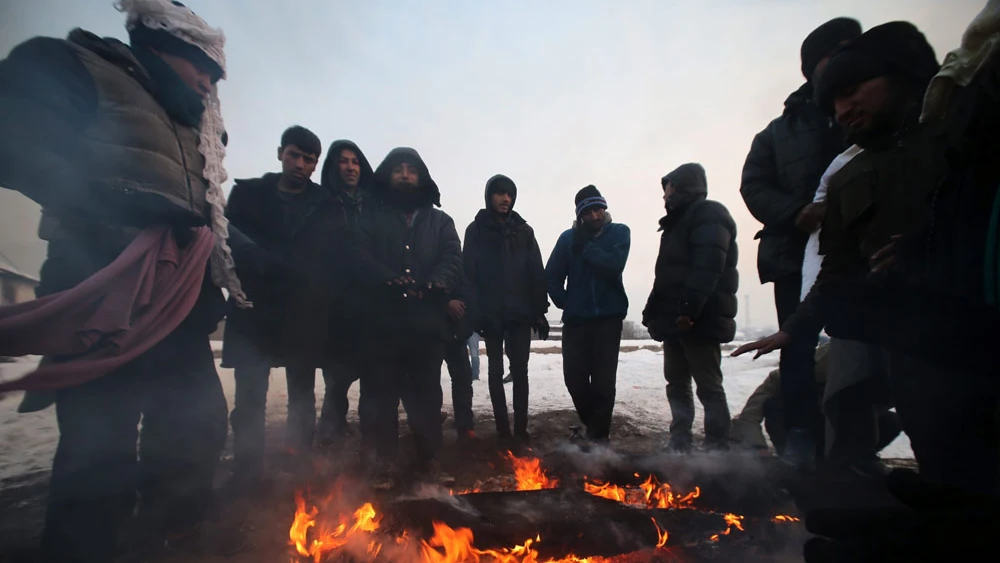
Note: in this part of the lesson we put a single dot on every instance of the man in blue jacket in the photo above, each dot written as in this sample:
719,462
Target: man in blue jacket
585,280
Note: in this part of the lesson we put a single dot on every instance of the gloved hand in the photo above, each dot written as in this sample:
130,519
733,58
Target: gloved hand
936,523
581,236
654,329
541,327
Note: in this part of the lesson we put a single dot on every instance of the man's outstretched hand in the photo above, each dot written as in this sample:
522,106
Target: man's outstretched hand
765,345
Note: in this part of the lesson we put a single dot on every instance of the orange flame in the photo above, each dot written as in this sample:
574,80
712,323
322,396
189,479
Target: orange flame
660,534
781,518
325,541
529,474
732,521
650,494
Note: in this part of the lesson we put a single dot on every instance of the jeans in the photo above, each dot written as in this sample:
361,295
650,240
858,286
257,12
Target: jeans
590,370
516,342
460,370
473,344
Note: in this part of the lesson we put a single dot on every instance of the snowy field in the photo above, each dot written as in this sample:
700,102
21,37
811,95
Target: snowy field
28,441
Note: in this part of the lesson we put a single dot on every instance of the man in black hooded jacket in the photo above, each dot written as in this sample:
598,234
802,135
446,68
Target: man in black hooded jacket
347,175
692,308
780,178
408,259
504,263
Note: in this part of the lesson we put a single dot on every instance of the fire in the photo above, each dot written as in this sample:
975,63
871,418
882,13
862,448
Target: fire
447,545
529,474
732,521
325,540
660,534
650,494
781,518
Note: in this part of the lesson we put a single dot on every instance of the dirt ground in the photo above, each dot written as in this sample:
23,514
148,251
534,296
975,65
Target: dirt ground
265,518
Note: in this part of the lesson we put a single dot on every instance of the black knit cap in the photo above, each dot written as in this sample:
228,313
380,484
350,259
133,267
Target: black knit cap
163,41
824,40
892,49
589,197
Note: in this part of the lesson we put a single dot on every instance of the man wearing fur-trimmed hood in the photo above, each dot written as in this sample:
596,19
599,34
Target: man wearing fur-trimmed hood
122,145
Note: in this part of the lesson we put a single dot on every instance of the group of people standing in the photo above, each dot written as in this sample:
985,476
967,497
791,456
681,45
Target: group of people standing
364,277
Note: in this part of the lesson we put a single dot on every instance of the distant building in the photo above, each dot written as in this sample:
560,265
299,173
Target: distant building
15,286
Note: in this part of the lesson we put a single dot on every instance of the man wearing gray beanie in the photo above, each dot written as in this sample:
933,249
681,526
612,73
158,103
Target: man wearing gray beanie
780,178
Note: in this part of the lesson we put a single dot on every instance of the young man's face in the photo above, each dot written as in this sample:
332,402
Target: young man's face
501,202
297,165
349,166
195,78
865,108
593,217
405,175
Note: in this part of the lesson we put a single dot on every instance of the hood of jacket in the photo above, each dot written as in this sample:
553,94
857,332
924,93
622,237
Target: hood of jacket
690,185
330,175
429,192
501,183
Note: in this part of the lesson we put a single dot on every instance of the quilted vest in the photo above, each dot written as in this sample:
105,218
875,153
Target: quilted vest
133,145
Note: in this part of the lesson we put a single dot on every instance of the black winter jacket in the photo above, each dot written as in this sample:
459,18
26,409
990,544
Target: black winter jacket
388,244
696,273
504,263
780,177
288,274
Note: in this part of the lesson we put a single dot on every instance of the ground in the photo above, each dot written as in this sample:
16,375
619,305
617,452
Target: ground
27,441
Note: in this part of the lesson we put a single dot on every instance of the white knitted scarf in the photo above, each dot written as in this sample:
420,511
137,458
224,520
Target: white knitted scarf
187,26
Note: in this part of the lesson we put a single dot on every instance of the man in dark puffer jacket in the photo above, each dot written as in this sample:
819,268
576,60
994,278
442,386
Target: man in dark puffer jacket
503,261
692,307
780,178
408,260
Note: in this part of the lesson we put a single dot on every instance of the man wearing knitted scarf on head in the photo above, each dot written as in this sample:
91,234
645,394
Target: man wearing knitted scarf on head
122,145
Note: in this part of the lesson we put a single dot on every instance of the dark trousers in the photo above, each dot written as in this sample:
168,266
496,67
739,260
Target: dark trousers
456,356
686,359
175,390
950,415
798,361
407,368
301,407
590,369
249,416
338,379
853,413
516,342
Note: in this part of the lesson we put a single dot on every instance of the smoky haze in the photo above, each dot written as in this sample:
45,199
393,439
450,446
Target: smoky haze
556,95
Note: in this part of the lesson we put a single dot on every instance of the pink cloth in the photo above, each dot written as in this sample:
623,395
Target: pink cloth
110,318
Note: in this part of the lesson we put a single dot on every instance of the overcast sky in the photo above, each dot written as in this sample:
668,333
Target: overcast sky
555,94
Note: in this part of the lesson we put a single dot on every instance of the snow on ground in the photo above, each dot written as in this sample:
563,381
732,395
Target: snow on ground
27,441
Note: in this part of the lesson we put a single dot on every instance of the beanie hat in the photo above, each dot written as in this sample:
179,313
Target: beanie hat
688,179
892,49
174,28
589,197
501,184
824,40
